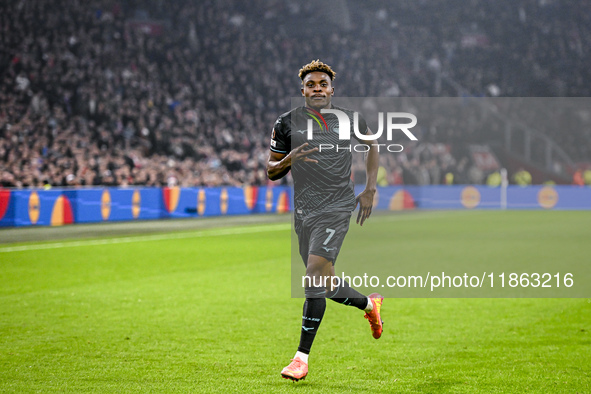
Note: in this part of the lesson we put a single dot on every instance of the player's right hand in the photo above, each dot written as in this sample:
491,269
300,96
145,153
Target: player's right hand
299,154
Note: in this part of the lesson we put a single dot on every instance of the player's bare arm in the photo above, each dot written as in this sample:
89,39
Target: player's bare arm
365,198
279,164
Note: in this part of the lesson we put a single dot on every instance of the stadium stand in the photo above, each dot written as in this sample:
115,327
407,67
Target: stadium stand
185,93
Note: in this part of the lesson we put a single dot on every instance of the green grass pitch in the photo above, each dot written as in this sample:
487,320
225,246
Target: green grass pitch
210,311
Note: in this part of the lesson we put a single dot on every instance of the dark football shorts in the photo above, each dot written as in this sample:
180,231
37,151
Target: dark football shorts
322,235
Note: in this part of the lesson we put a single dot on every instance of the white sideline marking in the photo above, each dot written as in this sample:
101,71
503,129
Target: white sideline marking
156,237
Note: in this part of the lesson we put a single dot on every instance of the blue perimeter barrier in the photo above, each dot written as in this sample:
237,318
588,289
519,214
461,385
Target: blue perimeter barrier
482,197
58,207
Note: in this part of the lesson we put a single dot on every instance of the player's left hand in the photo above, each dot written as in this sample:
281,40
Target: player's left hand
365,202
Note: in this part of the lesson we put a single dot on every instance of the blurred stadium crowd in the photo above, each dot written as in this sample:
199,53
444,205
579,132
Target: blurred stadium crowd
185,93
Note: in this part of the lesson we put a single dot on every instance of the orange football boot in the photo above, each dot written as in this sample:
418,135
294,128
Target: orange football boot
375,320
296,370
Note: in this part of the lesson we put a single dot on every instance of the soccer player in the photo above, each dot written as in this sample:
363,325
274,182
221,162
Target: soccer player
324,200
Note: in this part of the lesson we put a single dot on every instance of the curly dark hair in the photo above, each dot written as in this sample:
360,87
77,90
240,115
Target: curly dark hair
316,65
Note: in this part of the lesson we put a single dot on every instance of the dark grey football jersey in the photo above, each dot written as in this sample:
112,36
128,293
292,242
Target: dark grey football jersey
325,186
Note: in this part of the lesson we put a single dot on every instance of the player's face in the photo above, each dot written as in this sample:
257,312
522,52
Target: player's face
317,89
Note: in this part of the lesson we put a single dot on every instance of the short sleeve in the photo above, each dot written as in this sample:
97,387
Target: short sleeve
279,141
361,126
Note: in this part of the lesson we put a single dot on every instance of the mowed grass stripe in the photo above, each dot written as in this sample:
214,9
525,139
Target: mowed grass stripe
214,314
139,317
144,238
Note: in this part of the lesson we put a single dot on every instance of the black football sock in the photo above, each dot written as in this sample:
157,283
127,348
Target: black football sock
346,295
314,307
